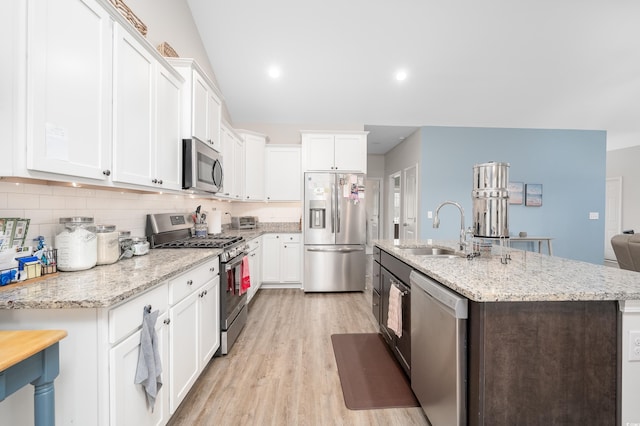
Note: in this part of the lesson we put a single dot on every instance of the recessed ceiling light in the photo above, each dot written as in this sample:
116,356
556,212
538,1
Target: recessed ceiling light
273,71
401,75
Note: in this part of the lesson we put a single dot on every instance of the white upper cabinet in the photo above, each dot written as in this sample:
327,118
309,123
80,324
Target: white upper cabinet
232,164
254,150
345,151
283,173
201,104
146,143
168,153
69,62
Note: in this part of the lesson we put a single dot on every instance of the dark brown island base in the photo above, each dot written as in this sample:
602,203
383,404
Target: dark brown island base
542,344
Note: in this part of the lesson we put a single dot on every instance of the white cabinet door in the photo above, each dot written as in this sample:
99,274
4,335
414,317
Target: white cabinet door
69,88
232,164
281,258
255,265
128,403
291,260
199,108
214,113
206,112
183,344
134,99
318,152
168,147
283,178
228,183
208,320
238,168
335,152
350,153
271,258
254,147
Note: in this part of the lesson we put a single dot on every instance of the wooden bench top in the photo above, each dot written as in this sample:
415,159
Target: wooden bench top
18,345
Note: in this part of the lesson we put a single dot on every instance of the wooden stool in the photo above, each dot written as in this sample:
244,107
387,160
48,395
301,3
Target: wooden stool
31,356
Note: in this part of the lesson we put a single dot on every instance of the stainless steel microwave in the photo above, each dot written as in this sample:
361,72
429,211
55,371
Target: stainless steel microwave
201,166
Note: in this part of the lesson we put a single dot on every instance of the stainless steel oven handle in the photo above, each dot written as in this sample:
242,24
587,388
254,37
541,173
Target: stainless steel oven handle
403,292
231,265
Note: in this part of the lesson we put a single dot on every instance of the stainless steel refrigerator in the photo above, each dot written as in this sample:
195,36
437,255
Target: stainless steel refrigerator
334,232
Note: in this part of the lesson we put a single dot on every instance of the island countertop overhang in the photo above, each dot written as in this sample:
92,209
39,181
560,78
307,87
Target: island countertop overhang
528,276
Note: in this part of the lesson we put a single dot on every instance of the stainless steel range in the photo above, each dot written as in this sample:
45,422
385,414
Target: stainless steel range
174,230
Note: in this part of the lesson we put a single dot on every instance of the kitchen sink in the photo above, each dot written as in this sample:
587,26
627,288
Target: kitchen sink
429,251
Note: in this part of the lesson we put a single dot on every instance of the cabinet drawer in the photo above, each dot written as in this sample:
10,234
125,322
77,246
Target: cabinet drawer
183,285
128,317
254,244
290,238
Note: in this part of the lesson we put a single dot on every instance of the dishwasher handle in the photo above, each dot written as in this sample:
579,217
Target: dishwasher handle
447,298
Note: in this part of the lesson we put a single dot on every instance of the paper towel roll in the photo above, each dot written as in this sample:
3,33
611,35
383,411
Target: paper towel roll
214,222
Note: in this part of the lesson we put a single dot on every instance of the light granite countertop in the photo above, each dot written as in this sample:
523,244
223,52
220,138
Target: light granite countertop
106,285
528,276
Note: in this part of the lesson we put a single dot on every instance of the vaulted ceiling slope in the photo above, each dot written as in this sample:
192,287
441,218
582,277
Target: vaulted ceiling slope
561,64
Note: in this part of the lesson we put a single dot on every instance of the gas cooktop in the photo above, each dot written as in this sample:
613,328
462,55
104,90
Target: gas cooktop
173,230
198,242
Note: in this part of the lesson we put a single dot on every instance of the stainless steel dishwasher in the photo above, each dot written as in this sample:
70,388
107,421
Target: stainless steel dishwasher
439,351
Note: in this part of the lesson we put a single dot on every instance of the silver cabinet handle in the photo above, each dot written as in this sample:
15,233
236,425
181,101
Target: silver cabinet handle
106,172
167,321
190,282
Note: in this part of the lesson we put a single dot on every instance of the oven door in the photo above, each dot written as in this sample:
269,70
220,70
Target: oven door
201,166
234,300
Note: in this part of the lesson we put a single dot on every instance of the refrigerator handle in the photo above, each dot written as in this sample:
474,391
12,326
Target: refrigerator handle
333,196
338,210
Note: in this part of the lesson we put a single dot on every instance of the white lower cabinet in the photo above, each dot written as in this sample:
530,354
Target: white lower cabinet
208,321
194,327
282,259
255,267
188,329
128,400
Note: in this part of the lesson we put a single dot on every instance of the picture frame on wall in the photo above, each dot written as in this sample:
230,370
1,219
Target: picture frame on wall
533,195
516,192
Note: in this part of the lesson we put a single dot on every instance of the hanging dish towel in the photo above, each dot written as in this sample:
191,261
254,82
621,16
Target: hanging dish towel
394,318
149,370
245,280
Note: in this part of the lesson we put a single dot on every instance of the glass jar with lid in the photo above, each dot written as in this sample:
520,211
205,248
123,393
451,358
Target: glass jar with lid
125,244
140,246
76,243
108,244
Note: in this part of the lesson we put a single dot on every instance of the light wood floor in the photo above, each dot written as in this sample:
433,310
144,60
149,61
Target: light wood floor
282,369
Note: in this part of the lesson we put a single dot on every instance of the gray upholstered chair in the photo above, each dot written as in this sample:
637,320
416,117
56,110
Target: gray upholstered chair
627,250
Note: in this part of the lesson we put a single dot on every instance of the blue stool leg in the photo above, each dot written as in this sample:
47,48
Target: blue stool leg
44,405
44,395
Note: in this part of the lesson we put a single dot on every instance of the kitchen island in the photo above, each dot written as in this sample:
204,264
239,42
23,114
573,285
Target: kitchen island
543,340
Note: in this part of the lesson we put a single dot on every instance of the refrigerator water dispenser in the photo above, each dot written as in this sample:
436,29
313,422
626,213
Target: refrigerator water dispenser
317,215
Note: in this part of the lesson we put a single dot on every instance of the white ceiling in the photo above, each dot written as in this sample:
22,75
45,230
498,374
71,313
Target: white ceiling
559,64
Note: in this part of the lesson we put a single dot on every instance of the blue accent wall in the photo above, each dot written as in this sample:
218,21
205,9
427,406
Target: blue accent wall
570,165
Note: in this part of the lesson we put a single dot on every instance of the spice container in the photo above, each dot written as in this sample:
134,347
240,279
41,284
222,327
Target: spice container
140,246
76,243
108,244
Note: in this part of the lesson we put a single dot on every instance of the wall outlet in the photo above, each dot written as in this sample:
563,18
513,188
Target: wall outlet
634,346
594,215
429,215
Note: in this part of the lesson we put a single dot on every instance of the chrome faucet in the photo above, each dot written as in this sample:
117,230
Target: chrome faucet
436,221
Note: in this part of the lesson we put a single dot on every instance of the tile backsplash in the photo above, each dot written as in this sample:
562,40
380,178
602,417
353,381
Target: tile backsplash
45,204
